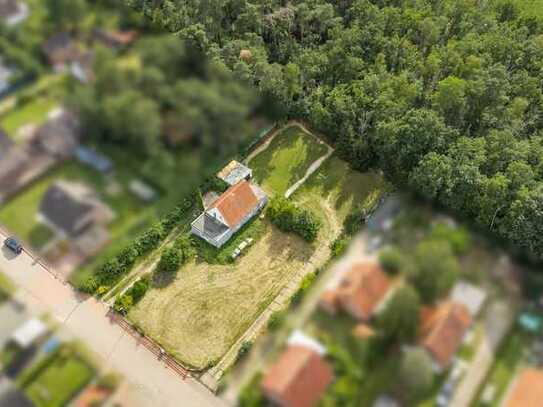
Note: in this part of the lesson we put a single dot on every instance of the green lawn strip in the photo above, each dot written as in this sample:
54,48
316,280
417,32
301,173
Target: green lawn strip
253,229
34,112
508,359
7,286
341,186
286,159
56,379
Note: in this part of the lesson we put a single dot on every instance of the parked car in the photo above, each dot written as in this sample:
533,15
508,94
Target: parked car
14,245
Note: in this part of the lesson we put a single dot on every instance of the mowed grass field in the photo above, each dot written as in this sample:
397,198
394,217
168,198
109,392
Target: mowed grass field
200,315
203,312
286,159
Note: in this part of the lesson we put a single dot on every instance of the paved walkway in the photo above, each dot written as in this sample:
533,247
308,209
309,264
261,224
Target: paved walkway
86,318
498,320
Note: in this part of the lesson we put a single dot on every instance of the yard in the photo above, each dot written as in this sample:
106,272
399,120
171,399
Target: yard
210,304
55,380
199,315
286,159
19,214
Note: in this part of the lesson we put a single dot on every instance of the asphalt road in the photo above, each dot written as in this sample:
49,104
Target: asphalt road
86,318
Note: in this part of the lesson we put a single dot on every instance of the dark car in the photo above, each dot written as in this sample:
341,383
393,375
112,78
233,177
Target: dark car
13,245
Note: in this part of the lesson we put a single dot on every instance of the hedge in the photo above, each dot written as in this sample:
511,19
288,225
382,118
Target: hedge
111,271
290,218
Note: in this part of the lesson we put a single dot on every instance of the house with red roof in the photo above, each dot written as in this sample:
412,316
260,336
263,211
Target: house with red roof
526,389
362,292
233,209
298,378
442,331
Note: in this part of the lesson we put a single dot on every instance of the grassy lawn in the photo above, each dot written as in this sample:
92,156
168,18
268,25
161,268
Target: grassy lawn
510,356
335,189
34,112
286,160
19,214
201,313
55,384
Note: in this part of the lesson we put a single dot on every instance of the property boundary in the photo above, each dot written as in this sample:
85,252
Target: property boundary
169,361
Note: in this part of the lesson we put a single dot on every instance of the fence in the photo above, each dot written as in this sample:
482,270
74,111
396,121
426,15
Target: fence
151,345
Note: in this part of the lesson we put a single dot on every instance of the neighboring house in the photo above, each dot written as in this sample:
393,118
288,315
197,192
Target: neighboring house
235,172
60,50
442,331
60,135
362,292
75,213
5,143
235,207
115,39
470,295
13,12
526,390
300,376
81,66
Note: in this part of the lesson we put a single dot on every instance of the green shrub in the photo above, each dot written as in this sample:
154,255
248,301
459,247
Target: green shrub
244,349
276,320
290,218
109,381
251,395
170,261
339,246
306,283
391,260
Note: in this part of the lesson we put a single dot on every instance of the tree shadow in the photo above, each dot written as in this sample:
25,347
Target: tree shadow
163,279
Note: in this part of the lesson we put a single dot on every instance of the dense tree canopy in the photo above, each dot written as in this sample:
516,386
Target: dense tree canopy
445,96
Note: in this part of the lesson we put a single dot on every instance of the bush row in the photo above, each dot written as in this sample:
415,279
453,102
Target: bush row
290,218
133,295
111,271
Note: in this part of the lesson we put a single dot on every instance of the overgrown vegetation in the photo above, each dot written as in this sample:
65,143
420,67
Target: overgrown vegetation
290,218
443,96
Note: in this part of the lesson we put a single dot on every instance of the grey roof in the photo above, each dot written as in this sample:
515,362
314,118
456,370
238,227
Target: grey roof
60,134
62,40
209,226
8,8
66,211
5,143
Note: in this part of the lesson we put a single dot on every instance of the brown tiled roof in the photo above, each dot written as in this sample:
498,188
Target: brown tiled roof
363,289
236,203
442,330
298,379
527,390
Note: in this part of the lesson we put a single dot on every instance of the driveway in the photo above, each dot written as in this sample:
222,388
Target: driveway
151,383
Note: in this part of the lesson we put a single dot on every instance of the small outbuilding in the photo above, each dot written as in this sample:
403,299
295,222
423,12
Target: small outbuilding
235,172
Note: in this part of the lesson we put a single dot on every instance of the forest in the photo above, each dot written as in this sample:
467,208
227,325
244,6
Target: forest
445,96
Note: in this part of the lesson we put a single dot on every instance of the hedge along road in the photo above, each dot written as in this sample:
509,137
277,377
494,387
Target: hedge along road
86,319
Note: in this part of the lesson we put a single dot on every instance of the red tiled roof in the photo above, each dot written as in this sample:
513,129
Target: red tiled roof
363,289
442,330
298,379
236,203
527,390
